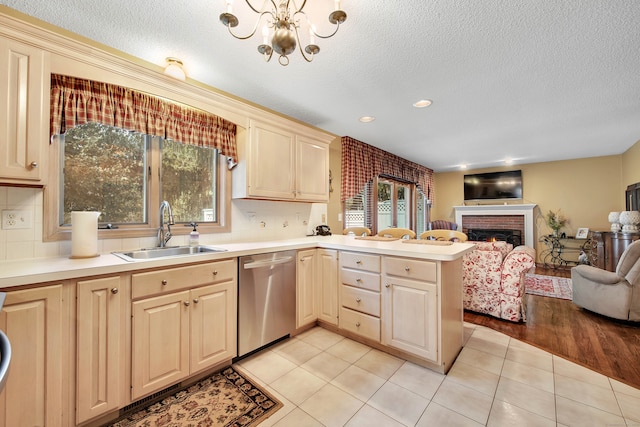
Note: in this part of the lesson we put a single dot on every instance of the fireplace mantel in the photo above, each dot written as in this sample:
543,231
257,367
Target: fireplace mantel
497,210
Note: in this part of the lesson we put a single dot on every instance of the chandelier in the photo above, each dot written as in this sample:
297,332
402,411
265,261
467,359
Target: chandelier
281,32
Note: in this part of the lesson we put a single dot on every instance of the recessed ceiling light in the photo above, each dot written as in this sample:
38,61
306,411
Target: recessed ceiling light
463,166
367,119
508,161
423,103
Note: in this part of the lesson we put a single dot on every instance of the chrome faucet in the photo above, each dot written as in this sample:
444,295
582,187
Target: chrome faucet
163,237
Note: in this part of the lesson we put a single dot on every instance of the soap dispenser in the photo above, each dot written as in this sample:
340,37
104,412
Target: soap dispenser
194,236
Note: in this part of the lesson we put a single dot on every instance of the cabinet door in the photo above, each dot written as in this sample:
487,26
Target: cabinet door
312,176
271,165
305,288
98,347
24,116
33,394
213,325
327,285
160,342
411,317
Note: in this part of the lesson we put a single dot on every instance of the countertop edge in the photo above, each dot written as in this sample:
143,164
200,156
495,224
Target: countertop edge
43,270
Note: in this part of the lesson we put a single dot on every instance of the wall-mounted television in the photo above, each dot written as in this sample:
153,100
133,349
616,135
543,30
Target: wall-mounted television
493,186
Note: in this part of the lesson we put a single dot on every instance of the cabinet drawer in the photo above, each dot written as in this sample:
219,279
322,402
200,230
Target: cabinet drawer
360,323
360,279
411,268
360,300
172,279
360,261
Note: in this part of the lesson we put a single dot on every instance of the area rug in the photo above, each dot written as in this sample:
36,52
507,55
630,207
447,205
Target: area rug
548,286
226,398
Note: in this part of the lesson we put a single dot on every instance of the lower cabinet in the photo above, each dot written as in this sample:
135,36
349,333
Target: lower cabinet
100,349
327,285
306,307
411,306
177,334
37,322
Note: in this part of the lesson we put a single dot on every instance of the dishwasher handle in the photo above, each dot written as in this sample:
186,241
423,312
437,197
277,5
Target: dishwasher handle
267,263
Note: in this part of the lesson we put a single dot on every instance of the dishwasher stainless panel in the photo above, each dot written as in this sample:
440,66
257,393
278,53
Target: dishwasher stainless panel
266,299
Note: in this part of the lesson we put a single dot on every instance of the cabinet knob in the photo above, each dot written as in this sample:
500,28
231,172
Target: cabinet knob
357,324
359,280
358,300
33,165
407,269
387,285
114,291
358,262
195,300
215,272
186,303
164,282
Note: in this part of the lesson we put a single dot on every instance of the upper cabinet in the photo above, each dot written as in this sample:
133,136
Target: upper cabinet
278,163
24,112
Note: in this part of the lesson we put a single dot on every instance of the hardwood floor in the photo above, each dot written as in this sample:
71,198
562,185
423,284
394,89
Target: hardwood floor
605,345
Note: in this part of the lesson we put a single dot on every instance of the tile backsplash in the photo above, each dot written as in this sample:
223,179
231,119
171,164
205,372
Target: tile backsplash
251,220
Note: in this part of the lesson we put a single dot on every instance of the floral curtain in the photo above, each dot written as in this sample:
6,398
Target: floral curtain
77,101
362,162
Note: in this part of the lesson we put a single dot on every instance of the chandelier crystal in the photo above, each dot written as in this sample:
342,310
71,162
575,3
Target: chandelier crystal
281,31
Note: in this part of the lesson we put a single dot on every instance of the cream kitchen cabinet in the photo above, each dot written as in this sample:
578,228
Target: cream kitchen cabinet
411,306
37,322
101,344
24,113
327,285
359,296
279,164
306,276
183,321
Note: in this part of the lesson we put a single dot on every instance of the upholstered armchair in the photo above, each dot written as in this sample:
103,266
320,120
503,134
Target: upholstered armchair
441,224
493,279
613,294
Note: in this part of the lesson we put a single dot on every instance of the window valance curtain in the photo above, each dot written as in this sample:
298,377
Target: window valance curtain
362,162
77,101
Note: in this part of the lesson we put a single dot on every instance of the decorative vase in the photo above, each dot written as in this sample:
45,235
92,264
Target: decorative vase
629,221
614,219
555,232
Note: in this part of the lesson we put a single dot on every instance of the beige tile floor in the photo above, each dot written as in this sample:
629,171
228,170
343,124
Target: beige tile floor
324,379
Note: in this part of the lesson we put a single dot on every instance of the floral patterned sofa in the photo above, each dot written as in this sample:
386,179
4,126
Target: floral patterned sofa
493,279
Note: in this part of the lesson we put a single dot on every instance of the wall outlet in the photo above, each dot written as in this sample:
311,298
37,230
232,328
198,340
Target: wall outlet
13,220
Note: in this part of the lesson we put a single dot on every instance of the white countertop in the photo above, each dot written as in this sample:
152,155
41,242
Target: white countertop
39,270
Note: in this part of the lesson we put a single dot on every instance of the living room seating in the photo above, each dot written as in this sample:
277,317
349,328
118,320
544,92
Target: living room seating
452,235
612,294
441,224
493,279
400,233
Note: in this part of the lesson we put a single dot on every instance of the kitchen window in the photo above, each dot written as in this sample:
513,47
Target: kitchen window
123,152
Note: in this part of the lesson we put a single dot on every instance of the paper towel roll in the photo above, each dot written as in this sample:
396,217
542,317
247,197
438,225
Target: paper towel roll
84,234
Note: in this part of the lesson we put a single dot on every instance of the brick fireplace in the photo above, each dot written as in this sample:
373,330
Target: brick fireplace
513,223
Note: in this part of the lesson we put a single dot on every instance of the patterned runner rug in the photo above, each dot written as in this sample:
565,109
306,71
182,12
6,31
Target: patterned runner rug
548,286
225,398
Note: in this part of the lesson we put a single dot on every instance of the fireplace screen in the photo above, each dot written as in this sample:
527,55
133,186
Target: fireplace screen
488,235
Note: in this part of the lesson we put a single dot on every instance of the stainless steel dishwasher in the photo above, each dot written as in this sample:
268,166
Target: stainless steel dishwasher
266,299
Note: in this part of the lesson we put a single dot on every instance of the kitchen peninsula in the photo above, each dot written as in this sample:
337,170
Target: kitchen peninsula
399,297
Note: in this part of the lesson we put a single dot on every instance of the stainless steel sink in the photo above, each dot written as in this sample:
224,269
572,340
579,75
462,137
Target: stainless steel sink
169,251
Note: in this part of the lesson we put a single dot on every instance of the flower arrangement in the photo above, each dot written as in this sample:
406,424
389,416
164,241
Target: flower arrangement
555,221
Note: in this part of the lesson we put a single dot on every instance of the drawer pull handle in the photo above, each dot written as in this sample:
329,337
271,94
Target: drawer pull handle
164,282
359,280
358,300
357,324
215,272
387,285
33,165
359,262
195,300
407,269
186,303
114,291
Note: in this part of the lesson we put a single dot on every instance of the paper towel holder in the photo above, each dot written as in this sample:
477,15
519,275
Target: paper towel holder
84,234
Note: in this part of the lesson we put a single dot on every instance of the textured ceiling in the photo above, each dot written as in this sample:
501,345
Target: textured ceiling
533,80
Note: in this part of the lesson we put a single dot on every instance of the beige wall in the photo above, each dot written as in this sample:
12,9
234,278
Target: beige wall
631,165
